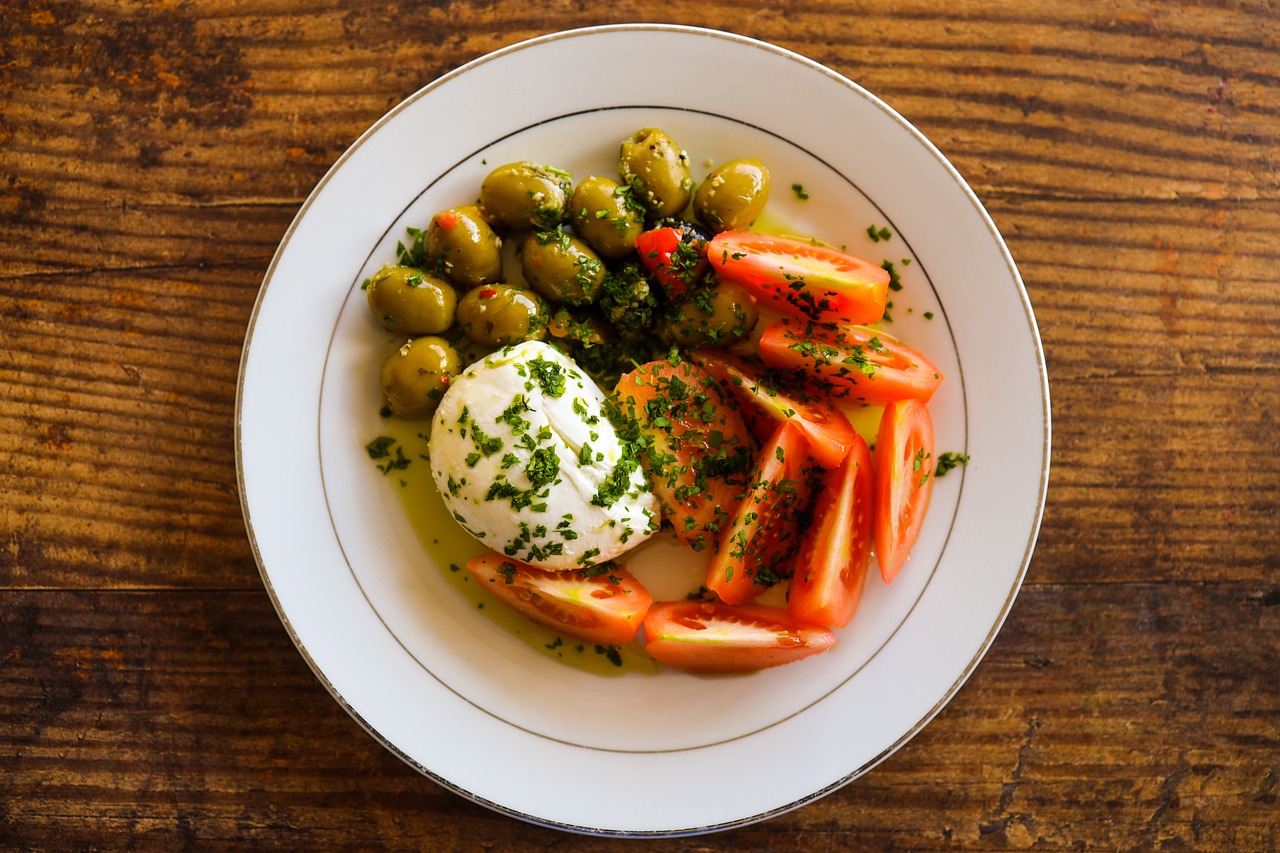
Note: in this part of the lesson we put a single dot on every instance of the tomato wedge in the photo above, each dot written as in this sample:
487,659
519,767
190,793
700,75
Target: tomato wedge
603,604
830,570
676,257
771,400
859,362
903,482
802,279
692,442
754,550
706,636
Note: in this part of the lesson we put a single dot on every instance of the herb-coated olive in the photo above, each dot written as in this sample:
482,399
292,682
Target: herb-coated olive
468,251
652,164
415,376
561,267
732,196
630,298
502,314
607,216
575,329
715,315
526,195
410,301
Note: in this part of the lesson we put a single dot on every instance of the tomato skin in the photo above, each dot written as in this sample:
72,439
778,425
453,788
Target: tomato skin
753,551
696,449
830,569
707,636
903,482
854,361
798,278
675,257
608,607
825,426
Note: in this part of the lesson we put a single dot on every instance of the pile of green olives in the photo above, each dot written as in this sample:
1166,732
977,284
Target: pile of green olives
582,285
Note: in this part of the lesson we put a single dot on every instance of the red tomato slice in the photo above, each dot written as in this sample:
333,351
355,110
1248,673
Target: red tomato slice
855,361
706,636
754,549
694,445
830,570
802,279
604,604
825,426
903,482
675,257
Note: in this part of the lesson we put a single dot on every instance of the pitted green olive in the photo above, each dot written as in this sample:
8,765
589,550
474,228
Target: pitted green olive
732,196
411,302
526,195
561,267
651,163
468,251
607,216
715,315
415,376
502,314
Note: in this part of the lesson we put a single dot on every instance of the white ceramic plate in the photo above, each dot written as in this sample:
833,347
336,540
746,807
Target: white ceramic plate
462,700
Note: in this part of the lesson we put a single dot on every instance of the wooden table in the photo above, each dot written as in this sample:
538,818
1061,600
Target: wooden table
151,157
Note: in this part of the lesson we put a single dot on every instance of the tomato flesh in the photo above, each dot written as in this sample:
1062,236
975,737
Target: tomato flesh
830,570
771,400
694,445
802,279
604,604
753,552
707,636
904,467
856,362
675,257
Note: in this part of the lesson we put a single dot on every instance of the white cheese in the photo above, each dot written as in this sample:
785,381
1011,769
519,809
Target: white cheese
528,462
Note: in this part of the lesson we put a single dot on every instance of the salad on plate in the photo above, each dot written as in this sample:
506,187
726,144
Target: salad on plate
601,363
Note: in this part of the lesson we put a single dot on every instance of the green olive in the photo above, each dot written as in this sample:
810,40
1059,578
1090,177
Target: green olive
411,302
525,195
606,216
715,315
652,164
466,248
415,377
732,196
501,314
576,329
561,267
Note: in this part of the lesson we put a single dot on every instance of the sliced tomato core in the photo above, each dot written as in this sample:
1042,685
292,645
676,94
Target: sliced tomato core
602,604
830,570
754,550
693,444
708,636
770,399
802,279
855,361
904,466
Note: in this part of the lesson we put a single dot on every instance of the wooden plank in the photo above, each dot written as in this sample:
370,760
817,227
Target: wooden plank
188,718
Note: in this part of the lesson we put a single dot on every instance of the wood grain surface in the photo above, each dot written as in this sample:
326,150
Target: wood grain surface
152,155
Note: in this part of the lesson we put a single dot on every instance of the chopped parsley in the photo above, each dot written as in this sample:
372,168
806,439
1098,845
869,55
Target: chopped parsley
949,460
380,448
895,281
549,376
